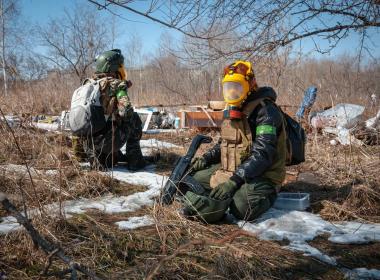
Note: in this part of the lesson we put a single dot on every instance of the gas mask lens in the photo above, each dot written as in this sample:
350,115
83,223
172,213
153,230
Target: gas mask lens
123,72
232,91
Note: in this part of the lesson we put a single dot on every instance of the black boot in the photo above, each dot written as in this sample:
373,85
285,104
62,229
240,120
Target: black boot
134,157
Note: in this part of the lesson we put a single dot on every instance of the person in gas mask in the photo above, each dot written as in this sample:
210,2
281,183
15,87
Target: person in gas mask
245,169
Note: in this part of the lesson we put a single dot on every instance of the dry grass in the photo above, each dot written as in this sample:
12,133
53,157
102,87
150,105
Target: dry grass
55,173
349,184
174,248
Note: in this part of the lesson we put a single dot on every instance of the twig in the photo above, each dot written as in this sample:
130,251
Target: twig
45,245
202,242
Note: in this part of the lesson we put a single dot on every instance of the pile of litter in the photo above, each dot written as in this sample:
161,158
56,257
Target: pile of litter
346,122
12,121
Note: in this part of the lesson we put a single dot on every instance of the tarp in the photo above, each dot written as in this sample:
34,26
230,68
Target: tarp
342,115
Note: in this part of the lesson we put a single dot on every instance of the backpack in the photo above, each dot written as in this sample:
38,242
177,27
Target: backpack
295,134
295,140
87,114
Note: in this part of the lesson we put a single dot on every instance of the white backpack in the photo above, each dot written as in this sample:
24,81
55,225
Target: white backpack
86,114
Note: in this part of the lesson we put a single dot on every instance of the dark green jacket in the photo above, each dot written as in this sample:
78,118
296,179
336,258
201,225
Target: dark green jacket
268,153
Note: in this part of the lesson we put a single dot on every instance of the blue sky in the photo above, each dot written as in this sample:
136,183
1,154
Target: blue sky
39,12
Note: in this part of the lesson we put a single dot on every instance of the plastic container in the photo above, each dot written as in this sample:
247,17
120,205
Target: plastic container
292,201
177,122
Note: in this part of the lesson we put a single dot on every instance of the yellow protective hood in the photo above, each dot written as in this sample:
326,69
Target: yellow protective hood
122,72
238,82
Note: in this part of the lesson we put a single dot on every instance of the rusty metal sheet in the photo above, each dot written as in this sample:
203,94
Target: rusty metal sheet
200,119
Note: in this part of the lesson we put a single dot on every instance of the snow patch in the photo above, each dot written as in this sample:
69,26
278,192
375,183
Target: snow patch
9,224
362,273
308,250
110,203
154,143
356,233
17,168
149,145
136,222
22,170
299,227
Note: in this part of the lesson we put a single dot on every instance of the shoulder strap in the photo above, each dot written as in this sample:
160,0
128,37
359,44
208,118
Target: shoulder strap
250,106
93,81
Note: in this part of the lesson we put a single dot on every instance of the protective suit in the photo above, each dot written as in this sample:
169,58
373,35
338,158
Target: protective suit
247,166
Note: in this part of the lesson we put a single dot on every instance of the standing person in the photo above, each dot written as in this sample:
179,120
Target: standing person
246,168
119,123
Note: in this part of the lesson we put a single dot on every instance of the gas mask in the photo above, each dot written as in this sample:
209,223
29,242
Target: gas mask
238,82
122,72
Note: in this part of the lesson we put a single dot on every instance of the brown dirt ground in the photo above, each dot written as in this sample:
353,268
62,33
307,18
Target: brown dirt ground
342,181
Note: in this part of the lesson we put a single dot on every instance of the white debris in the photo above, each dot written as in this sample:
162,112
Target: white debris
341,115
52,172
136,222
159,130
85,165
362,273
46,126
12,121
299,227
374,122
346,138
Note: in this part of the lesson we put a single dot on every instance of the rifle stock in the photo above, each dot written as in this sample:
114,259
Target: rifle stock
181,168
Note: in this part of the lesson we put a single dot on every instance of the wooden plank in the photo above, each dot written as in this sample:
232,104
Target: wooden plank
200,119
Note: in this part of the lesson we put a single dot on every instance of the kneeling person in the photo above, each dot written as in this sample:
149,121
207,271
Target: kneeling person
115,124
246,168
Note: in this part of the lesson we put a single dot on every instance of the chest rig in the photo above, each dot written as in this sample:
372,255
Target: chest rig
237,139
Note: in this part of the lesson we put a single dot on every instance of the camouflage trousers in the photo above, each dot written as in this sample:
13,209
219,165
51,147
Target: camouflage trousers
104,147
250,201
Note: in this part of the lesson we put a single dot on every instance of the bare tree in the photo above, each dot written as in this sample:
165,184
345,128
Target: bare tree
259,26
8,14
133,55
73,41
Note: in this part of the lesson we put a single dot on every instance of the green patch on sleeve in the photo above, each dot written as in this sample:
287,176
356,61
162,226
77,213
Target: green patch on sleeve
265,129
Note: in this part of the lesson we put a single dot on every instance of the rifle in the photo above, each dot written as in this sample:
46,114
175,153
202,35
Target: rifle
181,168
